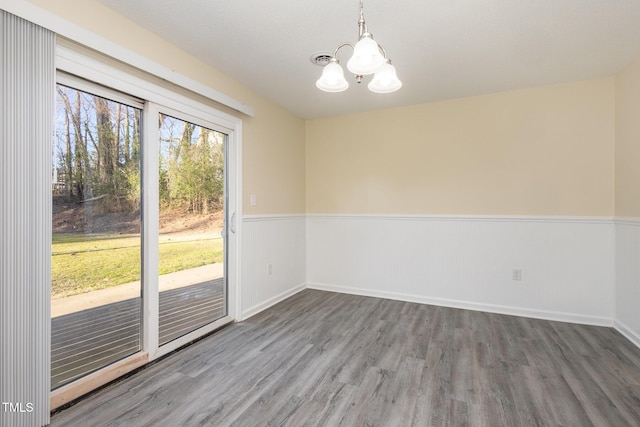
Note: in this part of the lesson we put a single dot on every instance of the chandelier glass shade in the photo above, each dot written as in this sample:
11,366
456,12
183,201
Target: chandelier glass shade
385,80
332,79
368,58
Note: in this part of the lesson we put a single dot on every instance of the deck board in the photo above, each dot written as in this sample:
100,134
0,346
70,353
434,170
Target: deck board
88,340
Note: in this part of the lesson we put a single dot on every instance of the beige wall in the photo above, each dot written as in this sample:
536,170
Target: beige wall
627,174
273,140
541,151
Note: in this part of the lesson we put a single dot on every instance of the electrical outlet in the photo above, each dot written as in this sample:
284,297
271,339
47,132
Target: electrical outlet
269,269
516,275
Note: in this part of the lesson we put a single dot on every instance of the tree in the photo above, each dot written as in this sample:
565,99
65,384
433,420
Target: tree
99,150
98,147
192,166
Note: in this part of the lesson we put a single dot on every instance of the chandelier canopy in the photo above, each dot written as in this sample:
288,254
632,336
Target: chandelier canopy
368,58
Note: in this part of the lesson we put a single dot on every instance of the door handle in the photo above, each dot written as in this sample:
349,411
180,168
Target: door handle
233,223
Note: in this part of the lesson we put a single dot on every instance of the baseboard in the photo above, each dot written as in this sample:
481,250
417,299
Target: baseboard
252,311
628,332
467,305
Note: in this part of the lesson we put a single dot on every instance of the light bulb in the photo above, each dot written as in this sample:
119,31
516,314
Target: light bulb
365,60
384,80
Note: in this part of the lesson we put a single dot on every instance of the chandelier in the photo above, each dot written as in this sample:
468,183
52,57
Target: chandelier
368,58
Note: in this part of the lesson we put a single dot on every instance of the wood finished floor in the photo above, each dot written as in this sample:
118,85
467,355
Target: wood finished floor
327,359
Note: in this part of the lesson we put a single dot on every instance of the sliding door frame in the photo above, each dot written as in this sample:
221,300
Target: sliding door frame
85,64
150,233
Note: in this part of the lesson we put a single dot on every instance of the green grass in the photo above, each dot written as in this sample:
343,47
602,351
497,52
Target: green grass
86,262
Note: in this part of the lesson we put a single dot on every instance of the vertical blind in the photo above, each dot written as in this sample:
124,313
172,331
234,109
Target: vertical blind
27,67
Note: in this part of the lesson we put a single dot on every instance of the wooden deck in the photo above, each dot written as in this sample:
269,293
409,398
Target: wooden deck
88,340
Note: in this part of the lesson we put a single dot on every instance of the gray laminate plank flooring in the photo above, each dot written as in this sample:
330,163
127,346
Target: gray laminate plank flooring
327,359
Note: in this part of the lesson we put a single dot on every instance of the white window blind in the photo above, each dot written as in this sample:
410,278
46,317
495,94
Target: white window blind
27,87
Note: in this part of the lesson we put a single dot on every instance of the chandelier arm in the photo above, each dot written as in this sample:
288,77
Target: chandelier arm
384,52
335,52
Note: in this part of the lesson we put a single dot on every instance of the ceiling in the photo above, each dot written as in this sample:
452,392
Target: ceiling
441,49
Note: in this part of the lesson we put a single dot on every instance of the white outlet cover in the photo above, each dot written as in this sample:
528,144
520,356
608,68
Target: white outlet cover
516,275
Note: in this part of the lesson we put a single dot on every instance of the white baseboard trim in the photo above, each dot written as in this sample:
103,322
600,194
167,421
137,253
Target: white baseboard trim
628,332
467,305
252,311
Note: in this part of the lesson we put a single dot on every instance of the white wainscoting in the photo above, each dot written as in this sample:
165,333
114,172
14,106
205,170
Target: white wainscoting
278,241
627,258
567,264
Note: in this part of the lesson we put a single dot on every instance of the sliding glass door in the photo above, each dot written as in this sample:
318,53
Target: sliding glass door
140,262
96,293
191,243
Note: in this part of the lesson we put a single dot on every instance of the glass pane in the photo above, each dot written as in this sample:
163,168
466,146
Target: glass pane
191,253
96,293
